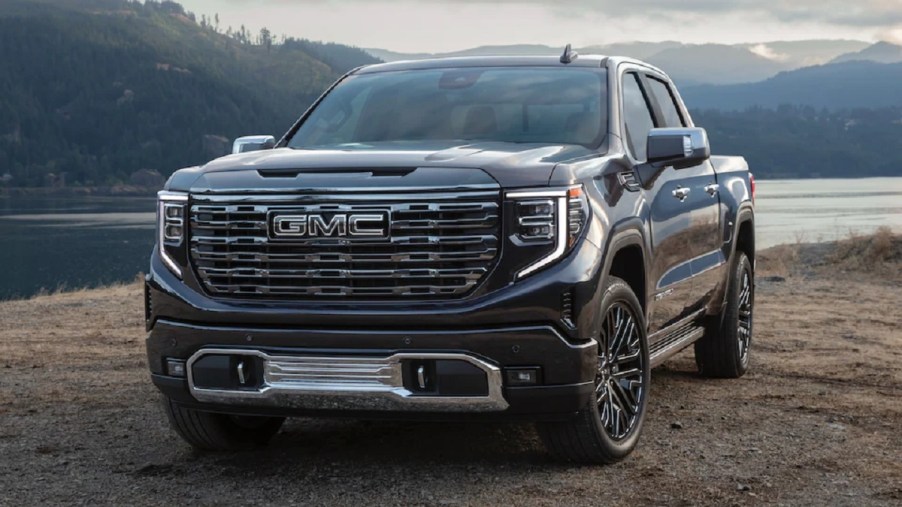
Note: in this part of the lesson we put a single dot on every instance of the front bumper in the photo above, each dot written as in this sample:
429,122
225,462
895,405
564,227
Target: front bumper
546,321
567,370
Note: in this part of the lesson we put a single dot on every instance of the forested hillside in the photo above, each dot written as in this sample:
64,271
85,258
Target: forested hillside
804,142
96,90
847,85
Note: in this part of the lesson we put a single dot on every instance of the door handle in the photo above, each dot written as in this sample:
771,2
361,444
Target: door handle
681,193
712,189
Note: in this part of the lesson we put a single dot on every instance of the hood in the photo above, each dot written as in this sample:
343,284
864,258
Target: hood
384,165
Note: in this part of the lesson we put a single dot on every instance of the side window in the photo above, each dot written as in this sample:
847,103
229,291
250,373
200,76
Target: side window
637,116
667,102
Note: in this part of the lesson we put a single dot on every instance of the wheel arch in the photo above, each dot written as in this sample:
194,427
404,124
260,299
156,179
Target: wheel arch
744,238
625,258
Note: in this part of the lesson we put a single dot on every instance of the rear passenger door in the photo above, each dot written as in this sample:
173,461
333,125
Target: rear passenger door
702,238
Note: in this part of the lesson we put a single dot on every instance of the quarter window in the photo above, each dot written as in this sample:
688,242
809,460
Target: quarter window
667,102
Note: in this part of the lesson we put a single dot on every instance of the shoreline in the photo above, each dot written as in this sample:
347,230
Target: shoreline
92,191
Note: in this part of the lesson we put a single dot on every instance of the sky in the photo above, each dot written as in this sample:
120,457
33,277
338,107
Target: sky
447,25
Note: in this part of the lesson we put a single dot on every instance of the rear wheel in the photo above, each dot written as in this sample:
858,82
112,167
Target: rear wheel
220,432
608,429
724,350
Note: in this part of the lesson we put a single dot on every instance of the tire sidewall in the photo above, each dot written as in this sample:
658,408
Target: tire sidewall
617,290
743,266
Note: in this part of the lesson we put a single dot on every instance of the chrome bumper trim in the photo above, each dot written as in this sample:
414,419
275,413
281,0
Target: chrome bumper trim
346,383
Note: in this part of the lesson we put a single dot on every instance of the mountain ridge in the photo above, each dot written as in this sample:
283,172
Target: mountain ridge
687,63
833,86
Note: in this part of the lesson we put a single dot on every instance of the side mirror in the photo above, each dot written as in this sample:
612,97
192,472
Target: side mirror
679,147
253,143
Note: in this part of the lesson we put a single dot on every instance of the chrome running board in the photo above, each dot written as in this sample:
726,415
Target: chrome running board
674,342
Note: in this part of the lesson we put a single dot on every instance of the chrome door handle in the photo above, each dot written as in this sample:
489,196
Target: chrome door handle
681,193
712,189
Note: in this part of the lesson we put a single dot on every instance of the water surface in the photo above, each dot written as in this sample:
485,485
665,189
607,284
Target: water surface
50,243
791,211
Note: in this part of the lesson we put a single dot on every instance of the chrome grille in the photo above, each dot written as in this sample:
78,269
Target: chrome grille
439,245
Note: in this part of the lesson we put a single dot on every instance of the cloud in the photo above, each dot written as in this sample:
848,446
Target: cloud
863,13
765,51
449,25
893,35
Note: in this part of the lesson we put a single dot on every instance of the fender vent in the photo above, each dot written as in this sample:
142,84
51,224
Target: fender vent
628,180
567,309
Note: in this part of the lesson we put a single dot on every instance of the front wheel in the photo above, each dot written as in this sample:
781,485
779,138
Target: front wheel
207,431
607,430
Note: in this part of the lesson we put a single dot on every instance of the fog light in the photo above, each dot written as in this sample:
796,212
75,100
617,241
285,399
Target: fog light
175,368
523,376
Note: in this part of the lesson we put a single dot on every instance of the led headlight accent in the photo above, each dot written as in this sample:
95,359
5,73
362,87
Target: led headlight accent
171,225
565,222
536,219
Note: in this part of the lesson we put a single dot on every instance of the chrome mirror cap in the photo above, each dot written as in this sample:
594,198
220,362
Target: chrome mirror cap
253,143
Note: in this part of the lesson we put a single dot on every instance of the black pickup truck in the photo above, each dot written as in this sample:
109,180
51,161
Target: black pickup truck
500,238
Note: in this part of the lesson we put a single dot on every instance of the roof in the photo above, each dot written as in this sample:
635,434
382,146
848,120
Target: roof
485,61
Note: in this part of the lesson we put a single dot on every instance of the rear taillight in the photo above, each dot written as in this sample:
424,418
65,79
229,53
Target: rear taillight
752,185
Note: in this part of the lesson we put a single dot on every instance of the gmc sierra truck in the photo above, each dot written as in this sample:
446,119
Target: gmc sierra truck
518,238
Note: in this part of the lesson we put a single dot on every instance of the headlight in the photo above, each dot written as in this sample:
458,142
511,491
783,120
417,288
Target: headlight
555,217
171,226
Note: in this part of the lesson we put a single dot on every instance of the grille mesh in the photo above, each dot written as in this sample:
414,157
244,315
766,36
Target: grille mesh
440,245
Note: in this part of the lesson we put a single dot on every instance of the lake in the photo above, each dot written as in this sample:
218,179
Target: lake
50,243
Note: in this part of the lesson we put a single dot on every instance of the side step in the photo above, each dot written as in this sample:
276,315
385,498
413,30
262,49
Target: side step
674,342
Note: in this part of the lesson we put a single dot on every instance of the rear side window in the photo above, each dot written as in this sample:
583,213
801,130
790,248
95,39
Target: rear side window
637,116
667,102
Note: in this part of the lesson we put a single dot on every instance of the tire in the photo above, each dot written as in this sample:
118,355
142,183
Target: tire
597,435
207,431
723,352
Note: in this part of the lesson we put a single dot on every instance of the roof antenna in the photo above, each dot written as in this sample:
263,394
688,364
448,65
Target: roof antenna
569,55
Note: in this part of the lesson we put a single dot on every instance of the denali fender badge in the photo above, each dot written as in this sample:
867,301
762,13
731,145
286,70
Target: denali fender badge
358,225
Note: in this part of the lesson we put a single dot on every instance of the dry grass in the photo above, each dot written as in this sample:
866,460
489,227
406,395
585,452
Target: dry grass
780,260
862,255
65,289
880,252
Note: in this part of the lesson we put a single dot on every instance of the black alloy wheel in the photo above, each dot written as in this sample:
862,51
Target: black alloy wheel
620,380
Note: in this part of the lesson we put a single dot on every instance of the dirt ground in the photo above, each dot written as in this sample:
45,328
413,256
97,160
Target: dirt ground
816,421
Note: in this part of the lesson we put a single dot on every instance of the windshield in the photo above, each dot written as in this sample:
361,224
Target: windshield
513,104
